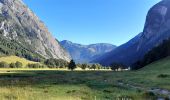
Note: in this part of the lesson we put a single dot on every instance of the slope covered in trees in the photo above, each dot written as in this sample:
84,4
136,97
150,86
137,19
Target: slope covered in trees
12,47
157,53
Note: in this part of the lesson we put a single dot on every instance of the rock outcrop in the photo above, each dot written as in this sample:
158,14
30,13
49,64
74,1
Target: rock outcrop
18,22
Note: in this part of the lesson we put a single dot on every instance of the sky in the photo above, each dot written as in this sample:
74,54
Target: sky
93,21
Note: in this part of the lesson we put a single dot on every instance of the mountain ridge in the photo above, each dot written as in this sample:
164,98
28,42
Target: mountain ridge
19,23
84,53
156,29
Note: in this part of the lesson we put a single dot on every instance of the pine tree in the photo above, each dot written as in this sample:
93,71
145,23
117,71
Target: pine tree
72,65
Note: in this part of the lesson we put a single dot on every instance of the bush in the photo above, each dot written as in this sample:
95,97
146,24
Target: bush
149,96
4,65
12,65
163,76
84,66
35,66
94,66
116,66
99,66
18,64
166,98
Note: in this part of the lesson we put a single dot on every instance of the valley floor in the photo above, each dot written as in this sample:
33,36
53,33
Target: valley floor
149,83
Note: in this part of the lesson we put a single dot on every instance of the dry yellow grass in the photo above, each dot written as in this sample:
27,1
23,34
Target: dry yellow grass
13,59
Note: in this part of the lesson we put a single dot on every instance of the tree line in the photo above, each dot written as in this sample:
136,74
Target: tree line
54,63
20,65
11,65
60,63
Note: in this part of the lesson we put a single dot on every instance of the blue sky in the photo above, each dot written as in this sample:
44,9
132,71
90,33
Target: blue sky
93,21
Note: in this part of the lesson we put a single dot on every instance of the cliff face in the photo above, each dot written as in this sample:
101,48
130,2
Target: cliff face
157,19
157,26
18,22
156,29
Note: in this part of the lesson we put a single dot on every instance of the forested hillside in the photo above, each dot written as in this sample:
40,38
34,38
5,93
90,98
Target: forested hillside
157,53
12,47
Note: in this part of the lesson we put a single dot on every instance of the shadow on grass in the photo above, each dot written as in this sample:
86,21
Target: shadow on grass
89,78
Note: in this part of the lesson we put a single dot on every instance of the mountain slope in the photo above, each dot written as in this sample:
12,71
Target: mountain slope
159,52
156,29
14,59
85,53
160,66
19,23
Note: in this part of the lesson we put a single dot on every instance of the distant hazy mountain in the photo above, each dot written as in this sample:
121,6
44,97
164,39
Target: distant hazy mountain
23,34
85,53
156,29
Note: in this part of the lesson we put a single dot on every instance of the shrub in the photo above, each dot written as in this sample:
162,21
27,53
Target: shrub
35,66
94,66
84,66
163,76
12,65
115,66
4,65
18,64
149,96
99,66
166,98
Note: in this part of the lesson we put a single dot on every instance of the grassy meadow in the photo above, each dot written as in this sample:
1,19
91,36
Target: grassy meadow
42,84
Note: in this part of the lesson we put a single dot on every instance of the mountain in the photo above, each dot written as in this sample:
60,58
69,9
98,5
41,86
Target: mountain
156,29
159,52
85,53
21,28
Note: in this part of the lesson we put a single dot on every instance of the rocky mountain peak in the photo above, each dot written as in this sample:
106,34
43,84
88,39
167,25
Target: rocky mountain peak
66,42
20,23
157,19
85,53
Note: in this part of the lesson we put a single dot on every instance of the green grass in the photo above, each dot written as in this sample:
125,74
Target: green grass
83,85
14,59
